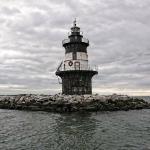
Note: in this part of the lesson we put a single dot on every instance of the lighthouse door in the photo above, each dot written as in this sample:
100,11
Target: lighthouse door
77,65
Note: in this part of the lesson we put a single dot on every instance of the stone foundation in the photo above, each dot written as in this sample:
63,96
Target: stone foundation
72,103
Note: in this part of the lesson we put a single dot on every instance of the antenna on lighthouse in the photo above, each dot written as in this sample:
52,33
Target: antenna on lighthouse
74,22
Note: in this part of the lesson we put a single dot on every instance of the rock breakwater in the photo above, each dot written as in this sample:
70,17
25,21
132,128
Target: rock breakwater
72,103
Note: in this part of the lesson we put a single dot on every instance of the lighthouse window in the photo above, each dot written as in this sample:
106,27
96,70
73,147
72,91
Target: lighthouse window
74,56
77,65
76,47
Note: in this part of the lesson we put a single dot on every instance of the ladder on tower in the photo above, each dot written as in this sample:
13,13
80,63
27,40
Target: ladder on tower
58,69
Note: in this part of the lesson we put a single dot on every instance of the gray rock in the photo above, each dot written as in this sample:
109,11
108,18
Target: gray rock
68,103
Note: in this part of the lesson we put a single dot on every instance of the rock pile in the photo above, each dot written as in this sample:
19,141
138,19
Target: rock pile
72,103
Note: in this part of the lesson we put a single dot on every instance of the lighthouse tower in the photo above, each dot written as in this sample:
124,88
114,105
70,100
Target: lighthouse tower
74,70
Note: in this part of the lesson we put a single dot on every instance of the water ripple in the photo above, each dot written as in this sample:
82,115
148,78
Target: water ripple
122,130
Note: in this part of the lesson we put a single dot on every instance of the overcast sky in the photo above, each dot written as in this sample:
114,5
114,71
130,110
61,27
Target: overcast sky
31,32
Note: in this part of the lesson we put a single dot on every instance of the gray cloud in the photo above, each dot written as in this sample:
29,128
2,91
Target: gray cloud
32,31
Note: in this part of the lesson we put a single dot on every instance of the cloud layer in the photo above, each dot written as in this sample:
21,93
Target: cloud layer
32,31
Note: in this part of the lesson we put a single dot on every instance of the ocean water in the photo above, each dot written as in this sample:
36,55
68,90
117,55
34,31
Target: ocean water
120,130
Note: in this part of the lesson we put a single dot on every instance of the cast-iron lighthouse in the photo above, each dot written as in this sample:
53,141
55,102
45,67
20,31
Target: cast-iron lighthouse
74,70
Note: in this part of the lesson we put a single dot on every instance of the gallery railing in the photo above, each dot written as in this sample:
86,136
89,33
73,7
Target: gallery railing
90,68
84,40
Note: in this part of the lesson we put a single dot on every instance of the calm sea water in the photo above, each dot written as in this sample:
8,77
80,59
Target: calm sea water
121,130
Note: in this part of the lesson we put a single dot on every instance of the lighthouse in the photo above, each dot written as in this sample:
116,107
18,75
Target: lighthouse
74,71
